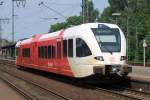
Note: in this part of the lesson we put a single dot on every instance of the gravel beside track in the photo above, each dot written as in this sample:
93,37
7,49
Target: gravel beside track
64,87
68,88
29,89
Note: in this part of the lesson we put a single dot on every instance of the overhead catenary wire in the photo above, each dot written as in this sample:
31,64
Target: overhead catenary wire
42,3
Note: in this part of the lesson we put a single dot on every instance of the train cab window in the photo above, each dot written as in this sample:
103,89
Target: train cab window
59,50
70,47
65,48
82,49
26,52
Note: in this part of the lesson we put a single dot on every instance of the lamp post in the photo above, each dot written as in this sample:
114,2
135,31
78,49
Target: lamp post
144,46
116,15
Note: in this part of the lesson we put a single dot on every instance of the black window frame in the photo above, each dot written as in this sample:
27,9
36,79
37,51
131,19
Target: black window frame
64,48
17,51
82,50
70,48
53,52
59,49
26,52
49,51
42,51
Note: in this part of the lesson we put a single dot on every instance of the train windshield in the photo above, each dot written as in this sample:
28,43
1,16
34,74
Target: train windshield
108,39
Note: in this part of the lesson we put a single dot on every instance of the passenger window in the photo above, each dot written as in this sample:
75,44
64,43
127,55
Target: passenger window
82,49
53,52
59,50
49,52
70,47
39,52
65,48
17,51
42,52
26,52
45,52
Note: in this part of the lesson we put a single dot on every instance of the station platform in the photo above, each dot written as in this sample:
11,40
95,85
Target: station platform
7,93
140,73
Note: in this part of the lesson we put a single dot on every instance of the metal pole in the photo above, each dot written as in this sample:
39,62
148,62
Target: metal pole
0,34
127,38
87,11
136,52
83,9
144,46
13,24
144,56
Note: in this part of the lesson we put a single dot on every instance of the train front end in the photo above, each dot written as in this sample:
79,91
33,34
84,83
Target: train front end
107,46
112,44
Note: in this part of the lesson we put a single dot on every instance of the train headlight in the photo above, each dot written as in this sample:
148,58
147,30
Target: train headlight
123,58
99,58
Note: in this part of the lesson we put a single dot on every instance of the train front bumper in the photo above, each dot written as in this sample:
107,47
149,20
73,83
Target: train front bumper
112,69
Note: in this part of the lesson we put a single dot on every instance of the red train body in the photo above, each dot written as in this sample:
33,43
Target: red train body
54,62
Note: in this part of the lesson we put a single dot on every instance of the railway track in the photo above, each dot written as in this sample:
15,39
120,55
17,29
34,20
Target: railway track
23,93
29,96
120,92
126,93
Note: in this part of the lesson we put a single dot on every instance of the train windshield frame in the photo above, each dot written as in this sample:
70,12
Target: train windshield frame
109,39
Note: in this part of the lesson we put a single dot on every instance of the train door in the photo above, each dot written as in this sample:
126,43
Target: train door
18,55
51,56
41,55
58,61
68,53
34,53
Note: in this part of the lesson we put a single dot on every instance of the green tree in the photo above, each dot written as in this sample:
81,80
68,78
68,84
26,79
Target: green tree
71,21
89,12
58,26
137,14
74,20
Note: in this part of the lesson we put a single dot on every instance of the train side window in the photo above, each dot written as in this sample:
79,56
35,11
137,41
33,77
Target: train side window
65,48
26,52
49,51
82,49
45,52
70,47
17,51
39,52
59,50
53,52
42,52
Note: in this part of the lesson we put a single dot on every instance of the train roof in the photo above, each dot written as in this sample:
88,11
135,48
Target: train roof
67,31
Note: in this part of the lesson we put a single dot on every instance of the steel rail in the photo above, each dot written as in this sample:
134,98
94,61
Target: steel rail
33,83
22,92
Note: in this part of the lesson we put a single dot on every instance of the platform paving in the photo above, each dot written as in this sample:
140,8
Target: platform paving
7,93
140,73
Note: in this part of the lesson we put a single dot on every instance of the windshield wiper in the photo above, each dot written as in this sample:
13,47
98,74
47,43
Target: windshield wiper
100,42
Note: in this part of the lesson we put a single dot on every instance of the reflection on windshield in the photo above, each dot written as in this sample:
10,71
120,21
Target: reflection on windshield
108,39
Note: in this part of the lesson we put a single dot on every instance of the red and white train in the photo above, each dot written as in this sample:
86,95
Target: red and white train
79,51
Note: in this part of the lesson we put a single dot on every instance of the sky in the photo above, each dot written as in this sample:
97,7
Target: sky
32,19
